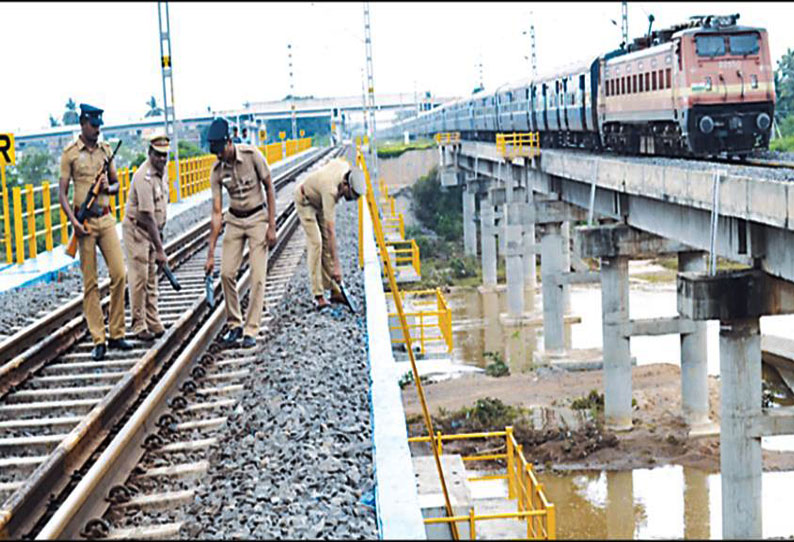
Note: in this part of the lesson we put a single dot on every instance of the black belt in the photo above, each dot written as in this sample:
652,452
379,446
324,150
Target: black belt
248,212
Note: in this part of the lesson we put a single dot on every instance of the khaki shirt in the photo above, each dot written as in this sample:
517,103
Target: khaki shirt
321,187
82,165
148,193
243,179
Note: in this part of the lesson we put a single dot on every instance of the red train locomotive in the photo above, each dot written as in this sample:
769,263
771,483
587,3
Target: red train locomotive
702,88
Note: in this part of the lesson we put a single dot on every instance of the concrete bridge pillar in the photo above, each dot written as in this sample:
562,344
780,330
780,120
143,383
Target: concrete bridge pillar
694,355
740,402
487,242
738,299
514,265
530,258
551,269
469,225
566,263
617,353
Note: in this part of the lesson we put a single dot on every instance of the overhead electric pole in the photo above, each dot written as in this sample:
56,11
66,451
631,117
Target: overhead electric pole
624,21
166,63
364,101
532,47
370,89
292,94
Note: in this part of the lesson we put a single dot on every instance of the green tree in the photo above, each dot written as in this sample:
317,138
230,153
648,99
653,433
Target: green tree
784,93
32,167
189,150
54,122
70,116
437,208
154,110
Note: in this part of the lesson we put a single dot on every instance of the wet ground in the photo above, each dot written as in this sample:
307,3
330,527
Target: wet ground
656,482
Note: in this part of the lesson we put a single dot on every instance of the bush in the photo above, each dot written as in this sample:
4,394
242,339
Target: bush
439,209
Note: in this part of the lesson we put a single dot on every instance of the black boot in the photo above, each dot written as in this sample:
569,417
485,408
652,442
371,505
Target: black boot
121,344
98,354
233,336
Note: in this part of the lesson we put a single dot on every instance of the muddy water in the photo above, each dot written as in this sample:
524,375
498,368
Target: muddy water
665,502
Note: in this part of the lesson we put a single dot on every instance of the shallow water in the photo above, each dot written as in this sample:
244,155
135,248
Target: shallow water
476,329
665,502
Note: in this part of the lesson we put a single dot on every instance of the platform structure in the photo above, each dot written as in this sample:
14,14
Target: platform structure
47,266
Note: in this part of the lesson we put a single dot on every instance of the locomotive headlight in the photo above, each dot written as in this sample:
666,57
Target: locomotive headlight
763,121
708,83
754,81
706,124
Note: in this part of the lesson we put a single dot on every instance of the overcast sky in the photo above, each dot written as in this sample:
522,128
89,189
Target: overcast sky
224,54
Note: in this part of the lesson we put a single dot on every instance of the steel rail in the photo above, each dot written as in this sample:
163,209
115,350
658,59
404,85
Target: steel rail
26,506
24,352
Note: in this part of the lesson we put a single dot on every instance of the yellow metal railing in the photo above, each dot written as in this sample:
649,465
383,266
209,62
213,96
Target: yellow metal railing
447,138
389,270
518,144
430,312
394,224
31,214
406,252
532,504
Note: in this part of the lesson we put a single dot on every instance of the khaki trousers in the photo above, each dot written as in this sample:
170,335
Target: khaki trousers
141,279
318,251
254,229
102,233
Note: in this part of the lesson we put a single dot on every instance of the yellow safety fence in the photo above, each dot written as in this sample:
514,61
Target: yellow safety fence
32,214
447,138
374,213
430,312
406,252
518,144
532,504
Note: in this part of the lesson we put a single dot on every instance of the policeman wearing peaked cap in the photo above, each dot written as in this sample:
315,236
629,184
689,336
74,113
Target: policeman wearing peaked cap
81,160
243,171
315,202
144,220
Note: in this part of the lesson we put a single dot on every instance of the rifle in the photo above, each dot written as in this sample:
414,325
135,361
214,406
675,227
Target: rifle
82,213
171,278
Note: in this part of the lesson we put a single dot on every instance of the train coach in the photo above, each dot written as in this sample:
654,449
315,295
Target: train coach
702,88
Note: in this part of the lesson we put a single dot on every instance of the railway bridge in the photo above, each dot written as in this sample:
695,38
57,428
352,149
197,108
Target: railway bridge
635,207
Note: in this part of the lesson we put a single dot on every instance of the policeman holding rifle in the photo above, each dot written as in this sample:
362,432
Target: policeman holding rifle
81,161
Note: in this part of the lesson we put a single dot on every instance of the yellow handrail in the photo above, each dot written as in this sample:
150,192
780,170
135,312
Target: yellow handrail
518,144
447,138
33,210
522,484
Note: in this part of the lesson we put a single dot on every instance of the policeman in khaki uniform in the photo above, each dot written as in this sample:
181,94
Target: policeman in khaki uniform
242,170
315,202
81,161
143,223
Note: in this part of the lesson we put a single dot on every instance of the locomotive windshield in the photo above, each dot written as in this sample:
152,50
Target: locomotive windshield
743,44
737,44
710,45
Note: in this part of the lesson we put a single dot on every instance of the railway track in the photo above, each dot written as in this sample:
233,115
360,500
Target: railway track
61,412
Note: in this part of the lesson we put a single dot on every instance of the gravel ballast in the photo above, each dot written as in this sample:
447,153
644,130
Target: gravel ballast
295,457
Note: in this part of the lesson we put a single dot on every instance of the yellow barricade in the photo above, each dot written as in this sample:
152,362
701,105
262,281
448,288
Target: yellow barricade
31,208
518,144
431,312
447,138
532,504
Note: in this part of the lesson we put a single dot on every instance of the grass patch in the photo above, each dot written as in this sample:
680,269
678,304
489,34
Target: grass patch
783,144
393,149
497,367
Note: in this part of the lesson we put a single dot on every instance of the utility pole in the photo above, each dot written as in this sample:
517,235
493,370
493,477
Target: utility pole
166,63
292,94
370,89
364,102
532,46
624,21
